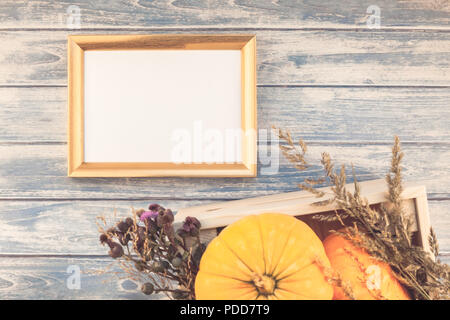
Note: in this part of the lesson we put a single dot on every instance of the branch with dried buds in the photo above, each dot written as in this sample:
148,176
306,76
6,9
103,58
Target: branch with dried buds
385,232
149,249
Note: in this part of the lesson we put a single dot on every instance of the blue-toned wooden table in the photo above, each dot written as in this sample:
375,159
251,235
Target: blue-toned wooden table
322,73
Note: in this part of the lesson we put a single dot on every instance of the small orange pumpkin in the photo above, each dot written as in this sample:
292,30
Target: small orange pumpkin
267,256
368,278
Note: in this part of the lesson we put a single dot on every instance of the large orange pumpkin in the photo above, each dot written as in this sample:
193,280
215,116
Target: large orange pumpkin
267,256
368,278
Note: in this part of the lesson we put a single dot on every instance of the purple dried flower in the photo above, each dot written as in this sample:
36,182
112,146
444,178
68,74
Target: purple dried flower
129,221
165,217
191,225
103,238
148,214
124,239
154,207
123,226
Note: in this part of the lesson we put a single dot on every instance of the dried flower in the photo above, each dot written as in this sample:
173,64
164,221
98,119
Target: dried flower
384,231
148,214
116,250
139,212
180,294
157,266
165,217
122,226
124,239
140,265
154,207
191,226
176,262
103,238
150,250
147,288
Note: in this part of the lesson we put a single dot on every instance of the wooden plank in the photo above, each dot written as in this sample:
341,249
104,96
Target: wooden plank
47,278
445,258
358,114
216,13
323,57
64,227
316,114
284,57
440,221
39,171
69,227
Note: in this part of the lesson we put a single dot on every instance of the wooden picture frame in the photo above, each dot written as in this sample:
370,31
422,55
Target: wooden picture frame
214,217
80,45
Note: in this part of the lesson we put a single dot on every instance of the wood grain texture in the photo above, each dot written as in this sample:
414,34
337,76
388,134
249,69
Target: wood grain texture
370,115
64,227
69,227
440,221
39,171
283,57
445,258
358,87
46,278
216,13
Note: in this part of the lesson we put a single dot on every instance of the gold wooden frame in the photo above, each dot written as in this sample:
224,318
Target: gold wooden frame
76,46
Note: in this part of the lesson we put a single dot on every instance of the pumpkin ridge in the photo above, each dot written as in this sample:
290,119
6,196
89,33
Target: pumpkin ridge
282,252
293,272
288,245
236,255
262,243
226,277
274,294
303,267
298,270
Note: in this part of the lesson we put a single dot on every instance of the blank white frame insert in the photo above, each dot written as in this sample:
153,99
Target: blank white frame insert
162,106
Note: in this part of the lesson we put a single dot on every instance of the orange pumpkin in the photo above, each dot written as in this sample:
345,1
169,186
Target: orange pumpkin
368,278
267,256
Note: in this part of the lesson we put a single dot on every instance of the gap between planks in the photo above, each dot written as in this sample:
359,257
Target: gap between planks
431,197
362,86
444,254
239,28
310,143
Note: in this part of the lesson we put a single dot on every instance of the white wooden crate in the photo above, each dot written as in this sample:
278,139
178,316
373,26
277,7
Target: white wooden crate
214,217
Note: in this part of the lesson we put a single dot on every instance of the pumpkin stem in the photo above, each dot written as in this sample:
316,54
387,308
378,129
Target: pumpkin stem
264,284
